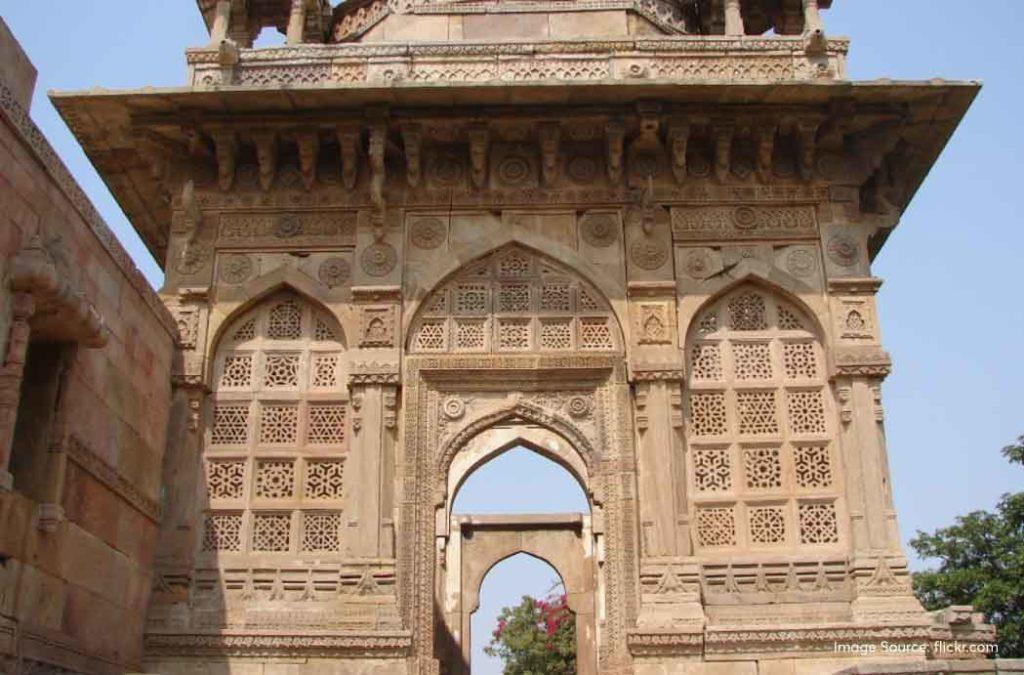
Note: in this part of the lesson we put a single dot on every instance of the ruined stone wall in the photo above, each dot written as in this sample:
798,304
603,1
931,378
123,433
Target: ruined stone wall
85,419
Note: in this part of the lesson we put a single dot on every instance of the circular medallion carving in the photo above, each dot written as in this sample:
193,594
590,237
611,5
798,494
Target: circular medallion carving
333,271
192,259
453,408
235,268
745,218
578,406
842,249
801,263
427,233
378,259
648,255
698,264
600,230
582,169
287,225
514,170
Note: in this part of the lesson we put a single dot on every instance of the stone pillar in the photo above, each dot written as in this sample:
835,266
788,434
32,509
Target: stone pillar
11,373
296,22
733,18
812,16
221,22
374,397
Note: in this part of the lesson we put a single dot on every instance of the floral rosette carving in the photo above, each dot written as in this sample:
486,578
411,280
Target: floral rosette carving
333,271
648,255
600,230
235,268
843,250
427,233
378,259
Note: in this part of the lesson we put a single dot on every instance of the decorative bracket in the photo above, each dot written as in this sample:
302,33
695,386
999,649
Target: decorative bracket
479,139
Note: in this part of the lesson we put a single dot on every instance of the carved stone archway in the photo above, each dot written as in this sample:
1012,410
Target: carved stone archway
563,541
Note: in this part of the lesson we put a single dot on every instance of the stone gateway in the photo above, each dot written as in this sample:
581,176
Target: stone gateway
634,236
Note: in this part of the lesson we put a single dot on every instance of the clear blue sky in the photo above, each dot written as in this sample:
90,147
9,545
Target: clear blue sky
951,307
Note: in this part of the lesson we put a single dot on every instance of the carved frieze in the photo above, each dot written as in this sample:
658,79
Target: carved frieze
743,222
287,229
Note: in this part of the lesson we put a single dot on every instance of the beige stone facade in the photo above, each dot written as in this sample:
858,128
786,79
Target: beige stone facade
634,236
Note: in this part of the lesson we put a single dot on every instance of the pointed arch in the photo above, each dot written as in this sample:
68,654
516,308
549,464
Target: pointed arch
755,280
514,298
763,456
575,453
255,291
527,550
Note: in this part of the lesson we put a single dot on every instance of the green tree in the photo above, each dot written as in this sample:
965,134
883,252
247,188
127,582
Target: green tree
536,637
981,563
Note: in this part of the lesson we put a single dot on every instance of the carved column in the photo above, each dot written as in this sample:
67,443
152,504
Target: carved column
221,21
812,17
11,373
296,22
374,399
733,18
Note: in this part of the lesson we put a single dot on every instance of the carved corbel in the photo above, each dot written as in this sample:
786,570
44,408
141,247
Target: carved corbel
308,142
375,153
479,140
723,151
266,156
550,136
226,147
348,143
678,141
615,137
412,140
806,133
765,151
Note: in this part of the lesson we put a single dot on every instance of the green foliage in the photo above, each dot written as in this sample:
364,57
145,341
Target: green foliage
981,563
536,637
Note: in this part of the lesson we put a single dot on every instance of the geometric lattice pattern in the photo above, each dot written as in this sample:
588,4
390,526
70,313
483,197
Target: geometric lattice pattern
324,479
759,437
716,526
799,361
813,466
818,523
320,531
225,478
279,423
275,479
326,424
230,424
767,524
806,412
762,468
222,532
707,414
281,393
747,312
285,321
712,469
271,532
756,412
706,361
752,360
514,300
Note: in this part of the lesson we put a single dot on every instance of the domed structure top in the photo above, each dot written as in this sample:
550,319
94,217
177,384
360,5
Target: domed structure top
377,21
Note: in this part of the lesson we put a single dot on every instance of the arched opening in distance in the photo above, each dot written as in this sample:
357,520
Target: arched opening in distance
520,480
505,585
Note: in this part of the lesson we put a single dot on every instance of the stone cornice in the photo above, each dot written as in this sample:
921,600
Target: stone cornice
854,286
664,642
818,638
374,373
868,361
35,141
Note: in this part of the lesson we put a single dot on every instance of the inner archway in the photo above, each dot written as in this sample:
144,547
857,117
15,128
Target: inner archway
517,488
505,585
